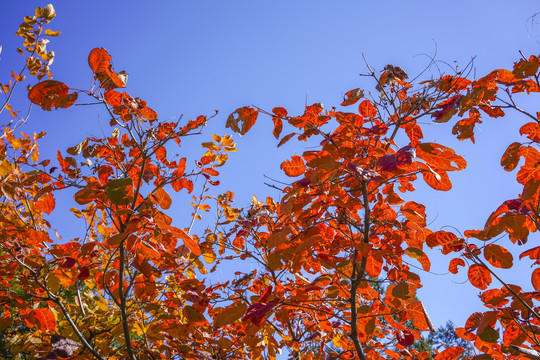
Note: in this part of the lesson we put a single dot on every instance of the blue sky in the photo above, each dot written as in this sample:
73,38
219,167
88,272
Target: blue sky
195,57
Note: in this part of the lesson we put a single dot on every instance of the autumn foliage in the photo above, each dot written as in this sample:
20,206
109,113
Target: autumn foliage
333,279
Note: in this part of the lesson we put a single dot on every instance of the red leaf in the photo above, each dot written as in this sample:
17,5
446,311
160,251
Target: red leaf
373,266
68,262
46,319
51,93
265,294
294,167
405,337
84,273
415,134
257,312
99,60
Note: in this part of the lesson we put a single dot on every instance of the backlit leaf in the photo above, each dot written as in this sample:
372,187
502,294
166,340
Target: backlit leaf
367,110
451,353
188,241
118,190
51,94
294,167
99,60
535,279
230,314
454,263
163,199
498,256
352,96
46,203
440,157
244,117
479,276
510,157
45,319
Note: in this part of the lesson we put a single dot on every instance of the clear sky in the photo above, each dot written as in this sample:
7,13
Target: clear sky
195,57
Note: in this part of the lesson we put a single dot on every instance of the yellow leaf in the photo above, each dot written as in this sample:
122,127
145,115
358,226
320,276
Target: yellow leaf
51,32
209,257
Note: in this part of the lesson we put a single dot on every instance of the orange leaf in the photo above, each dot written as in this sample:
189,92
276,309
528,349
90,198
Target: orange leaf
46,319
285,139
440,157
188,240
454,263
373,266
532,130
278,127
510,157
367,110
535,279
99,60
113,98
437,179
246,116
450,353
465,334
418,315
479,276
46,203
352,96
163,199
498,256
51,93
294,167
440,237
529,171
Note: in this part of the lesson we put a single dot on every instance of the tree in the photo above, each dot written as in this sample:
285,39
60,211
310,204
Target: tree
445,337
333,278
